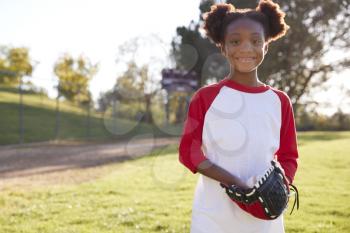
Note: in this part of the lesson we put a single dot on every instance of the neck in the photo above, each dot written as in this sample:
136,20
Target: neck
247,79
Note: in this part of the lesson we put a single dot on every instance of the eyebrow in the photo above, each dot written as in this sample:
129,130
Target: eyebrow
235,33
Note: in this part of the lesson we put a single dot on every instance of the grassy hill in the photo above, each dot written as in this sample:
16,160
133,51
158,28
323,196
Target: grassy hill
40,121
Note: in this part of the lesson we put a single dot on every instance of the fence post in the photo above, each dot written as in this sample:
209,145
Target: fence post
57,123
21,130
114,115
88,120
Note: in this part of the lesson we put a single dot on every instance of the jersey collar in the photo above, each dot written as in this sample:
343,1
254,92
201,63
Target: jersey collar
244,88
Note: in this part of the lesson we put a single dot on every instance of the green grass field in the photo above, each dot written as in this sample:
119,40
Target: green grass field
154,194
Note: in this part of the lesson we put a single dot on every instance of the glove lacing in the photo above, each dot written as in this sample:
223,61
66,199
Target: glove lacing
296,200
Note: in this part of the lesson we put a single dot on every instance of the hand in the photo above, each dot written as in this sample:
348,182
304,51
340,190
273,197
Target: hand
236,193
242,185
237,182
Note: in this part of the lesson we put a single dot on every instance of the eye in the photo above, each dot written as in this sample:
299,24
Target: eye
234,42
257,41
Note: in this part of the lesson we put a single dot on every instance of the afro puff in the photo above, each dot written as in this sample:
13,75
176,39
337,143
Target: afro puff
267,13
214,21
275,17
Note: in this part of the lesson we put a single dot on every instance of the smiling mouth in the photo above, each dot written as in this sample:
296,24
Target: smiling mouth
246,59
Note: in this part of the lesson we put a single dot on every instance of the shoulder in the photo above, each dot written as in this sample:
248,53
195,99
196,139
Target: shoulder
205,96
283,96
207,91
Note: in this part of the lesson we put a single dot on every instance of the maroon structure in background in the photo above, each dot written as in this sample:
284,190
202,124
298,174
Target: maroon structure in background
178,81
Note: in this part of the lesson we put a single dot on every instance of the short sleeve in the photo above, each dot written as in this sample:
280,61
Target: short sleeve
190,152
287,154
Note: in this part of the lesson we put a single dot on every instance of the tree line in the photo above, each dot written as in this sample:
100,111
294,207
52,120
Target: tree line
73,73
295,64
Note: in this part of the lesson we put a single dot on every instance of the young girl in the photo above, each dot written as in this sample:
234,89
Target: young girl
235,127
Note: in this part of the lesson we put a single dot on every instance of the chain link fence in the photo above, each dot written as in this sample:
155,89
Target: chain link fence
29,115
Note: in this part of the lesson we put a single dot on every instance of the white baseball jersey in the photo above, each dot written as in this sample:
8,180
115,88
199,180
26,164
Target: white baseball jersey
240,129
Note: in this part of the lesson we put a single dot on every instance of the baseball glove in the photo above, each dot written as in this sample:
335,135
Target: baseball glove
268,198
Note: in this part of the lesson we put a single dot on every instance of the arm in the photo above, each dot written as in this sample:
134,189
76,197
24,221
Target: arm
287,154
190,152
219,174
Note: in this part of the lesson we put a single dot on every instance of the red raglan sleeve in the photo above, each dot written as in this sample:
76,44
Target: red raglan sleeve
287,154
190,152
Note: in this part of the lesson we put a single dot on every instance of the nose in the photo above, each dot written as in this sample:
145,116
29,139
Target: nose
246,46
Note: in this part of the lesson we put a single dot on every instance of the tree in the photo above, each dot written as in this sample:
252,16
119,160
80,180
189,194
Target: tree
14,64
136,84
295,63
139,78
74,76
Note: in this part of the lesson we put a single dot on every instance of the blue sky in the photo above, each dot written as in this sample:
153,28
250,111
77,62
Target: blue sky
96,28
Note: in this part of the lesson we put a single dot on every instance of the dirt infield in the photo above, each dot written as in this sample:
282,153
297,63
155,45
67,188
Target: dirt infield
59,161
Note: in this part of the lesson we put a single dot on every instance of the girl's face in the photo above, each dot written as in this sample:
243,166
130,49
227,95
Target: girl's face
244,45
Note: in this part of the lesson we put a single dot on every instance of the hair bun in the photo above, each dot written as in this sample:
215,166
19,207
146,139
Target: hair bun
275,17
213,20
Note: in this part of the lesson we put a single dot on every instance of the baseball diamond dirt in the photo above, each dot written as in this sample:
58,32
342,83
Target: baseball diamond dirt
58,162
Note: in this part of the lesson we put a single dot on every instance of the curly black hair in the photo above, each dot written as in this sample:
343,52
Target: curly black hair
267,13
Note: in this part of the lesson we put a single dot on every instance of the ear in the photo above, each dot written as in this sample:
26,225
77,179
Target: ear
222,49
266,48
